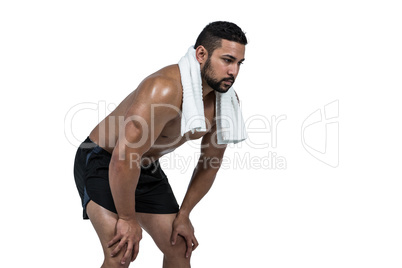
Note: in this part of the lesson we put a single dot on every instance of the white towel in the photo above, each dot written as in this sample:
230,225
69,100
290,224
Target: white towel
229,119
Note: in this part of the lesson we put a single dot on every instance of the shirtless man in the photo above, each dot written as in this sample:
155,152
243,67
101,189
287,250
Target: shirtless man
121,197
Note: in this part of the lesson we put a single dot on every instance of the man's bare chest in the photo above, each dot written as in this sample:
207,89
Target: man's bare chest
171,136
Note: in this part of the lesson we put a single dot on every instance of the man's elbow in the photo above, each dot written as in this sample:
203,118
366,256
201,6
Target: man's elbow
122,163
210,163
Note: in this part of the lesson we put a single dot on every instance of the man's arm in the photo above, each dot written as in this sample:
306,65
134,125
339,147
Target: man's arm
137,135
201,181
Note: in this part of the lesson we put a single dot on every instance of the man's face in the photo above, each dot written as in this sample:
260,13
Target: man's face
222,67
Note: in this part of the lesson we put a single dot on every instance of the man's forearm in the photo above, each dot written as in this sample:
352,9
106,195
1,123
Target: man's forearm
123,183
200,184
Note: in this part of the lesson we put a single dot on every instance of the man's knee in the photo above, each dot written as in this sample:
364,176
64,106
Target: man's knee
114,263
178,251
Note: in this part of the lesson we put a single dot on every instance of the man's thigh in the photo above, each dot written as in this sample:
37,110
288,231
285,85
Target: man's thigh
159,227
104,222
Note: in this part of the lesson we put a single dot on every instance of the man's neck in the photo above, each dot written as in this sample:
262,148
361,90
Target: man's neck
206,89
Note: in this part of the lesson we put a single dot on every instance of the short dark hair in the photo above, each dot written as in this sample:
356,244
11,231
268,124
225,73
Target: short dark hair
212,35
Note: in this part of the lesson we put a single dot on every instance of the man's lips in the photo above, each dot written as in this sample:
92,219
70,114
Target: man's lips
228,81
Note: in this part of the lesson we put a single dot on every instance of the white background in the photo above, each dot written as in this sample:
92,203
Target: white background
301,56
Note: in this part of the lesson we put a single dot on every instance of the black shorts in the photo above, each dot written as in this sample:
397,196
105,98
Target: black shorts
91,172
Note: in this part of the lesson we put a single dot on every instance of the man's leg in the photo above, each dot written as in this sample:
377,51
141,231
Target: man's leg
104,222
159,226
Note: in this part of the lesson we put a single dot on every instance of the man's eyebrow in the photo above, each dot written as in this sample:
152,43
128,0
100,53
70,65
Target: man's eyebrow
233,58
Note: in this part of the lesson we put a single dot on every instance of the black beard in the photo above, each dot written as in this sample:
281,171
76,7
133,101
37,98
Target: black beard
207,74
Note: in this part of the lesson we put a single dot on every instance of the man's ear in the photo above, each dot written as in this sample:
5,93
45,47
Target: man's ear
201,54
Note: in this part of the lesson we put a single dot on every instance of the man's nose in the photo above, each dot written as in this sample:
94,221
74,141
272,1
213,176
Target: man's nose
233,70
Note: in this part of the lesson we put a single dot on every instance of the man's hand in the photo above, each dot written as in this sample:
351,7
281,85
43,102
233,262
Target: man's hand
183,227
129,233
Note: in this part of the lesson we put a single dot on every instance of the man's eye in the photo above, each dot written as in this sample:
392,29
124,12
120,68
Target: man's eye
227,60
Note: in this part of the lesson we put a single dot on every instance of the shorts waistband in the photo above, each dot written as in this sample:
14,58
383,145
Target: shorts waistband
88,144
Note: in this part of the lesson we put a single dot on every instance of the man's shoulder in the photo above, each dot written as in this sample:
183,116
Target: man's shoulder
163,86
